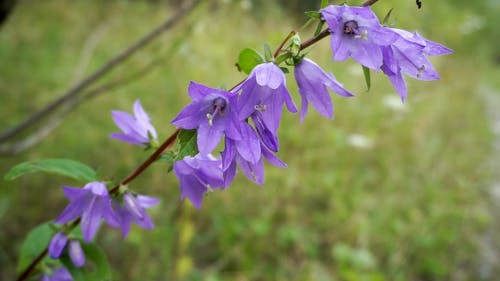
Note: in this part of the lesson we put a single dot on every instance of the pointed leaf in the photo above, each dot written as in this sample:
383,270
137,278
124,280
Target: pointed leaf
366,73
34,244
65,167
387,16
313,14
268,54
324,3
187,143
248,59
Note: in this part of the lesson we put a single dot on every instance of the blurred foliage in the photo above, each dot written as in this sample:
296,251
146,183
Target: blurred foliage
383,192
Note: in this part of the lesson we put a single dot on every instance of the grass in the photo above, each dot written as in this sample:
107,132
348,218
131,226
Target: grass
408,206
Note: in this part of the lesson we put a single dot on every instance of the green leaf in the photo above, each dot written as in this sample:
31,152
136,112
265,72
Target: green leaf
248,59
387,16
65,167
169,157
268,54
313,14
34,244
324,3
96,266
319,27
366,73
187,143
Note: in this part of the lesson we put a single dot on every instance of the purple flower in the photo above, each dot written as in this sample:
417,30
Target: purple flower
265,91
91,203
212,112
59,242
197,176
313,83
136,129
60,274
248,153
407,55
132,209
357,33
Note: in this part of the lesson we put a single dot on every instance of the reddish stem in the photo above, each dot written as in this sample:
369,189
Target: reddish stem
165,145
170,140
277,52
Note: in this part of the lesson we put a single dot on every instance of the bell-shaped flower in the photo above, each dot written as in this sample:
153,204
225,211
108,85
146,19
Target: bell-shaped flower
91,203
248,154
265,90
136,129
313,83
407,55
60,242
60,274
197,176
131,209
212,112
356,32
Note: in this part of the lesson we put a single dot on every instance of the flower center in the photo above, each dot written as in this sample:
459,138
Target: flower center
351,27
217,108
260,107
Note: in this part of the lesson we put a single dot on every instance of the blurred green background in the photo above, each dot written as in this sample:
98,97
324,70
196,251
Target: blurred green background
383,192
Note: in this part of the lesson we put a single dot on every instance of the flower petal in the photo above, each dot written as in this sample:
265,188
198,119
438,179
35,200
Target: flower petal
76,253
57,245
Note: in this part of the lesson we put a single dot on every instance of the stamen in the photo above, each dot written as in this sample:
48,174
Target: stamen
363,35
420,70
260,107
210,118
217,108
351,27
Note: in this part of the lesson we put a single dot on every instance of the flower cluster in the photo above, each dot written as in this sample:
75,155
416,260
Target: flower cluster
92,204
357,33
248,116
243,123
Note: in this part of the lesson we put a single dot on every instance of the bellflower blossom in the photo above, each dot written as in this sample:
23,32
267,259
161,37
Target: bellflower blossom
407,55
313,83
131,210
136,129
197,176
265,91
252,167
60,274
91,202
59,242
357,33
212,112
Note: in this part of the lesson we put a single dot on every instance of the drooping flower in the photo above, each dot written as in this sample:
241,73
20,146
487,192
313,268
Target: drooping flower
265,90
136,129
357,33
313,83
91,203
197,176
247,153
132,209
60,242
212,112
60,274
407,55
